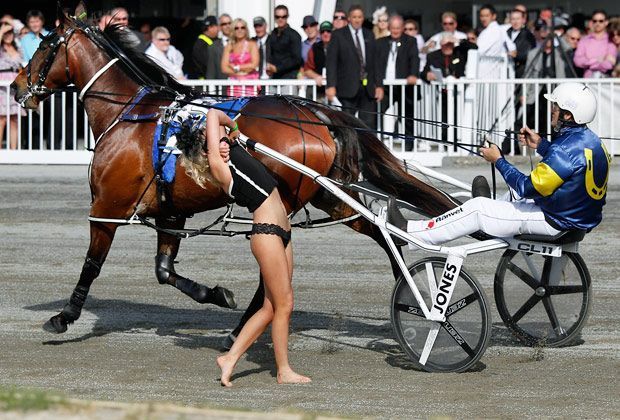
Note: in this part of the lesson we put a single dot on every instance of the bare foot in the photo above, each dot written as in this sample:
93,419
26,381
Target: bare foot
290,377
226,365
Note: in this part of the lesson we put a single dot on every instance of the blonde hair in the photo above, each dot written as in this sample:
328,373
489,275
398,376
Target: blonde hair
197,168
233,39
193,157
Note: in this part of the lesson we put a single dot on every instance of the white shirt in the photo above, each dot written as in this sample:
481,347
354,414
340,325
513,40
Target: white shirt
494,41
361,38
390,70
420,40
437,38
171,60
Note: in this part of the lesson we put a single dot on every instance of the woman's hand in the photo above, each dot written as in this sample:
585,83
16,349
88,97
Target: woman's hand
224,151
234,133
5,27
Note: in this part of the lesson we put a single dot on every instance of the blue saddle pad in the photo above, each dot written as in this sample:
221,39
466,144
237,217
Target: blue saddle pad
168,160
232,107
164,158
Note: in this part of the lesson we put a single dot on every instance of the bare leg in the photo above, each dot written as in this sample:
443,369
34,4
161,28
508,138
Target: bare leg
276,265
2,129
13,123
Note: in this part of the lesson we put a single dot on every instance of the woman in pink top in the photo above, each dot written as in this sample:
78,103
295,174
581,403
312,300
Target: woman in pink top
596,54
240,59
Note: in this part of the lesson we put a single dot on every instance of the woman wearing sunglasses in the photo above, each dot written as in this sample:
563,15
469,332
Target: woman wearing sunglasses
240,59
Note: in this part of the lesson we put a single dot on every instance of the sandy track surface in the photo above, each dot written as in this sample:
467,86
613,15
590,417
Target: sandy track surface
139,341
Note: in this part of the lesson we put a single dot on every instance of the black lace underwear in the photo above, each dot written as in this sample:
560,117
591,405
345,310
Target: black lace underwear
271,229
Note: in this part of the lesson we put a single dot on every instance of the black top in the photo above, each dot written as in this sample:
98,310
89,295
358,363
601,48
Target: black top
450,65
343,64
524,42
318,50
285,48
407,58
453,65
207,58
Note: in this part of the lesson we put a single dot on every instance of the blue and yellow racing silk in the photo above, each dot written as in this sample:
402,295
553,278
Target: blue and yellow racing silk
570,183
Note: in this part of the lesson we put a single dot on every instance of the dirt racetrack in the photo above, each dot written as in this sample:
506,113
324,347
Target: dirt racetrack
139,341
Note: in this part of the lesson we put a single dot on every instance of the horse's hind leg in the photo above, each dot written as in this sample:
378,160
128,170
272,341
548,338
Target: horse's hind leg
167,249
255,305
101,237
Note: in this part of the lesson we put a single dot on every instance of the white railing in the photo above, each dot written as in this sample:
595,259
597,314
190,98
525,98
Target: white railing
58,132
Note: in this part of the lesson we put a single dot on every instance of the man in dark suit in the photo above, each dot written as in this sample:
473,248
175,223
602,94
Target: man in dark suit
397,58
351,69
262,38
523,39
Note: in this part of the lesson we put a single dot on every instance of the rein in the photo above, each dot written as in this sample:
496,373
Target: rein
55,41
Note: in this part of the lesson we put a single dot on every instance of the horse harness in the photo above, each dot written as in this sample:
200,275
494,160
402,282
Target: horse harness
54,41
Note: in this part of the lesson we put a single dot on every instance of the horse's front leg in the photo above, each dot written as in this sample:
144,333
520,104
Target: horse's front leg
101,237
167,249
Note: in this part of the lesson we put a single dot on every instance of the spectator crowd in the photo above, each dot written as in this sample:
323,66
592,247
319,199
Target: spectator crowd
349,56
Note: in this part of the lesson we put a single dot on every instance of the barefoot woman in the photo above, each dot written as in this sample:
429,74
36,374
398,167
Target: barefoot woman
248,182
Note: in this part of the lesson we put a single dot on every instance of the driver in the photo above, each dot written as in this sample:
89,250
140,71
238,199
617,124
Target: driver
565,191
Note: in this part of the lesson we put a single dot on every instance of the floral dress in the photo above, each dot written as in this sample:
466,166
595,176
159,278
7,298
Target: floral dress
9,67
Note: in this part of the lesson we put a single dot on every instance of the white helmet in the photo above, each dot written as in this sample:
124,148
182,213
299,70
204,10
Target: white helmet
576,98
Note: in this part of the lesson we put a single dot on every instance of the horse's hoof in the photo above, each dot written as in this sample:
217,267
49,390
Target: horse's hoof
223,297
56,325
228,341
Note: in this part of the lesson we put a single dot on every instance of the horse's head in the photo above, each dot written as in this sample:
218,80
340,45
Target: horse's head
51,66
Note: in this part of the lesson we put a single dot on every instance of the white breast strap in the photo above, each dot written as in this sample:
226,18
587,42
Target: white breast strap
95,77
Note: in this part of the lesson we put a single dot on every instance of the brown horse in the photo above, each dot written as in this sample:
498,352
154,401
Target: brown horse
109,75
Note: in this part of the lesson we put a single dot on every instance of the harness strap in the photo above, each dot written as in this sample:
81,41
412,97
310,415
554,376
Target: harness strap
95,77
127,116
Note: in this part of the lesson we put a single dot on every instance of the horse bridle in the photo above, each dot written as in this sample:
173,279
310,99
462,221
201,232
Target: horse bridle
53,42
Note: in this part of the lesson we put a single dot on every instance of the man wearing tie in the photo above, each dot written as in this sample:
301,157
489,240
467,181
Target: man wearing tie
351,69
260,27
398,59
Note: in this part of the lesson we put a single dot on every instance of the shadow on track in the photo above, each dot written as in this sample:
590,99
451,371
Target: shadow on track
205,328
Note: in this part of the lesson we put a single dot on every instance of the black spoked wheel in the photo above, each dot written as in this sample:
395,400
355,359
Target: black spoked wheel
462,338
544,301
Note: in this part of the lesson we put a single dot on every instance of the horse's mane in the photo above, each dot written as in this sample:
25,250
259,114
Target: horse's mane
128,43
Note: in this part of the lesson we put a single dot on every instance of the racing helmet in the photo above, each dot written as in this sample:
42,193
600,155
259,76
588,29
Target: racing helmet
575,98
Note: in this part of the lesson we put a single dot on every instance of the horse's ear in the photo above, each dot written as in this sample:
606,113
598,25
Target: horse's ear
60,14
80,11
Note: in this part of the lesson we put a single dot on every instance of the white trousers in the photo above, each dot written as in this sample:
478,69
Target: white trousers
495,217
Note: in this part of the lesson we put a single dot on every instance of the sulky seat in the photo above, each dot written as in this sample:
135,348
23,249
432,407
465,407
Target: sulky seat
562,238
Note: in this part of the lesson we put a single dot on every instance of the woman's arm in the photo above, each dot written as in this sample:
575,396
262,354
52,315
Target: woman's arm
254,57
225,63
219,168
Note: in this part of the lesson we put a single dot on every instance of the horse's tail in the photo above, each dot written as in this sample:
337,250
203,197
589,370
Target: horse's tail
380,167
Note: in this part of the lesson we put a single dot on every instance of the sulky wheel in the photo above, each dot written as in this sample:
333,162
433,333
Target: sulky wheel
462,338
544,301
